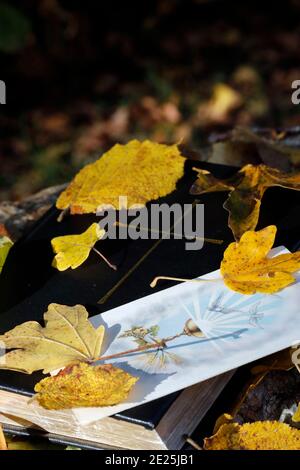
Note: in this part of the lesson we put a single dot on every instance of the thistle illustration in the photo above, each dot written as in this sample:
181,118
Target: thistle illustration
147,339
255,316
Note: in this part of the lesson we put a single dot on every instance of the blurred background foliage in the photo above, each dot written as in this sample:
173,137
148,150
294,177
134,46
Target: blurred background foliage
81,76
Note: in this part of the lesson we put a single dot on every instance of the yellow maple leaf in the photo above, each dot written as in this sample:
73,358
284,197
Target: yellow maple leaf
261,435
247,269
141,171
5,246
81,385
73,250
246,188
68,336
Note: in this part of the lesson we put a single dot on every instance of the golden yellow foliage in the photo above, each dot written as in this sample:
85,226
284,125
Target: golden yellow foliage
3,444
261,435
225,418
246,188
67,337
142,171
81,384
5,246
247,269
216,110
73,250
296,416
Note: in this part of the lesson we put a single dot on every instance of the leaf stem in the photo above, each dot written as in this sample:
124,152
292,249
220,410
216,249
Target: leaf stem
155,345
163,232
63,214
168,278
112,266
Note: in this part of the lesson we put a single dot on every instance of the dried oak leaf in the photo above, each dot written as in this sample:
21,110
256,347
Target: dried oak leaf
247,269
81,385
261,435
5,246
246,188
68,336
73,250
141,171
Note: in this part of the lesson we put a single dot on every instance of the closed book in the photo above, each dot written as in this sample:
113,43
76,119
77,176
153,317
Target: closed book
28,284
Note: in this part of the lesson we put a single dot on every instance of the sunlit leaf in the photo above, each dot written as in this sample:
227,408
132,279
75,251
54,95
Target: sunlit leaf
5,246
141,171
261,435
68,336
84,385
247,269
73,250
296,415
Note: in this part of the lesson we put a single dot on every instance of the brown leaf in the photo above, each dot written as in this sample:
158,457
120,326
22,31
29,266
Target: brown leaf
241,145
246,189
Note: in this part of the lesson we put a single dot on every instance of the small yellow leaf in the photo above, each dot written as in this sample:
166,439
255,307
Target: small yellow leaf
141,171
296,416
67,337
261,435
5,246
81,385
247,269
73,250
225,418
216,110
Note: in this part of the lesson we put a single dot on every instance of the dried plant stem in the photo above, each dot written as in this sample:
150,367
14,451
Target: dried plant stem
163,232
112,266
63,214
193,443
169,278
155,345
131,351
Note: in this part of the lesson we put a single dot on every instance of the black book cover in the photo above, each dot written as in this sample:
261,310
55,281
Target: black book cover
28,283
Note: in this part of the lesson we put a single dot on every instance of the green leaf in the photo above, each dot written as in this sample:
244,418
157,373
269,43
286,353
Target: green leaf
14,28
5,246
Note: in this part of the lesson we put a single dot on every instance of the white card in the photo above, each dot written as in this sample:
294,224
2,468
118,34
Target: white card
236,329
